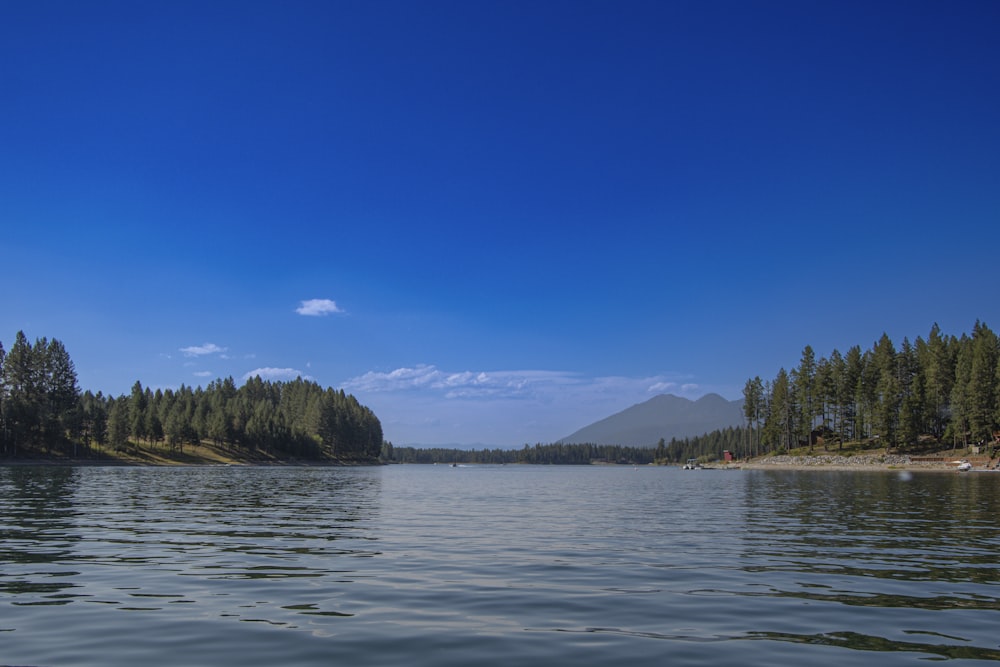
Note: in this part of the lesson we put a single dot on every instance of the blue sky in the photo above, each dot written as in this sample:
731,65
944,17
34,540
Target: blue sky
493,222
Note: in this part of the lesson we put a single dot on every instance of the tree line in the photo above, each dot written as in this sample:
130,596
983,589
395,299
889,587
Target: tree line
943,389
43,410
540,454
708,447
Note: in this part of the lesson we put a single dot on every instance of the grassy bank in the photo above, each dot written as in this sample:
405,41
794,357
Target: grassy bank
203,453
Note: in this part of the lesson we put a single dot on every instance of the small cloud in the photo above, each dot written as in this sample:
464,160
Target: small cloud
202,350
318,307
276,374
660,387
203,374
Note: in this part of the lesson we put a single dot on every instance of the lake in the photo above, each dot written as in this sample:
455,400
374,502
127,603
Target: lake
496,565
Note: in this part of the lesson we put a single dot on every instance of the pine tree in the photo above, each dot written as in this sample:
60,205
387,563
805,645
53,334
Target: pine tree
887,390
805,394
982,392
21,405
937,368
778,428
840,396
137,413
961,401
912,400
118,426
753,400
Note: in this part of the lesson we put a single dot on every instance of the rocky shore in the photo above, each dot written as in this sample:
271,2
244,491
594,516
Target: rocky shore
835,462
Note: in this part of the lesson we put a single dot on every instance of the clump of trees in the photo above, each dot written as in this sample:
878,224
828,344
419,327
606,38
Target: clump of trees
708,447
943,388
42,409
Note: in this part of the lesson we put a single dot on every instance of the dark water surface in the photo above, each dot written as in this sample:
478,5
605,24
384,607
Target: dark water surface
511,565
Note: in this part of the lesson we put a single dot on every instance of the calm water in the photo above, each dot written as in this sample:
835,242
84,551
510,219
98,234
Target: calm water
512,565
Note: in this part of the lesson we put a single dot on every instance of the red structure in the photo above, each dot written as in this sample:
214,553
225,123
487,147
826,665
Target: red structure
727,456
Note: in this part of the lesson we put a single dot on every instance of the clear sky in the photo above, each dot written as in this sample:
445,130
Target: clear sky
494,222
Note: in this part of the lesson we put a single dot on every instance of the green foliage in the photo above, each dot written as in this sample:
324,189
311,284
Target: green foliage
41,408
942,387
38,396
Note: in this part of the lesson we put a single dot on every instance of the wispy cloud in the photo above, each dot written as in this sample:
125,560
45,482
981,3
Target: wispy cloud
661,387
536,384
202,350
462,384
203,374
269,373
318,307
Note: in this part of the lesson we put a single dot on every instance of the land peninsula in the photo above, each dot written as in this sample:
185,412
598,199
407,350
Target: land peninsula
45,417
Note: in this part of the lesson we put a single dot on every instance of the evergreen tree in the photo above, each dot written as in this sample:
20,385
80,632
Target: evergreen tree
852,393
805,394
937,369
982,391
912,399
961,400
22,409
887,391
137,413
118,424
753,404
779,426
841,396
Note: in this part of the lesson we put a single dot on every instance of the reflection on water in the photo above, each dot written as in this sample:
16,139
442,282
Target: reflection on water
885,542
142,538
435,565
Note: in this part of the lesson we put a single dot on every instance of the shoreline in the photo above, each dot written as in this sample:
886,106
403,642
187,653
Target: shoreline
115,463
860,462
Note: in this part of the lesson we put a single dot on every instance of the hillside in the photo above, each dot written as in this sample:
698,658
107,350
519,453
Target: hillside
664,416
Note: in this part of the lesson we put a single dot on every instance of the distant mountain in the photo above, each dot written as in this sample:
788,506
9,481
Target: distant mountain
665,416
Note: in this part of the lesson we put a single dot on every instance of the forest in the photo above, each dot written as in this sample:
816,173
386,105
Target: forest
44,413
942,391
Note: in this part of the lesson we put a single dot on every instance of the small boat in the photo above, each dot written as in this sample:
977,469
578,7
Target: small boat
692,464
964,466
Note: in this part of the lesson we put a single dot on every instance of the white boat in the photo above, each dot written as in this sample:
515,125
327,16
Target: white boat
692,464
964,466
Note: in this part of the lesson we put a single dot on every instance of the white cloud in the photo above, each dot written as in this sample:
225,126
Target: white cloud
203,374
202,350
268,373
318,307
524,384
462,384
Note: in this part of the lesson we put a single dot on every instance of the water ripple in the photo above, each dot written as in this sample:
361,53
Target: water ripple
526,565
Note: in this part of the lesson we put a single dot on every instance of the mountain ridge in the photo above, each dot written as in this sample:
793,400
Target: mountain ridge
662,416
